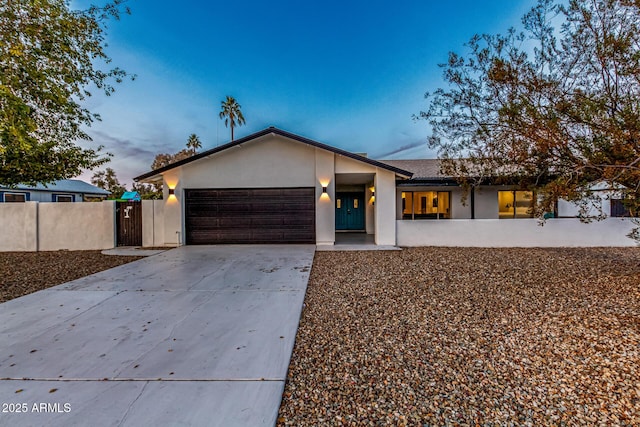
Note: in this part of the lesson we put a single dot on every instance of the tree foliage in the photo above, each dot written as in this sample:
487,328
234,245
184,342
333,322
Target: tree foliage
164,159
148,191
50,56
555,108
232,114
154,191
193,143
107,180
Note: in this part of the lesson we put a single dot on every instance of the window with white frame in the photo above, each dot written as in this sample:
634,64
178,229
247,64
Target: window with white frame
63,198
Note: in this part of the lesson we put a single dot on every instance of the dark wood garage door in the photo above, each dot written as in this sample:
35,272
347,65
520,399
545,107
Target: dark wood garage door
256,215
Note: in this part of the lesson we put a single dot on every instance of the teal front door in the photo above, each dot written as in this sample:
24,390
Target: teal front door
349,211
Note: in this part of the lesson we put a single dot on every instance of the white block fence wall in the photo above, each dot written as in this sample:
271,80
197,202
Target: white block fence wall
521,232
35,226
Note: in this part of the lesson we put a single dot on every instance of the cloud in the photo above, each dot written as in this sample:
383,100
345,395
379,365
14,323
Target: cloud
120,146
406,147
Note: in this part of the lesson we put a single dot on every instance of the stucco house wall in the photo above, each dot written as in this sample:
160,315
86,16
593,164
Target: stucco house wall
152,223
276,161
385,210
486,202
325,211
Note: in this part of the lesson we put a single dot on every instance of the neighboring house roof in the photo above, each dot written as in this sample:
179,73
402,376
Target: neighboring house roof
276,131
64,186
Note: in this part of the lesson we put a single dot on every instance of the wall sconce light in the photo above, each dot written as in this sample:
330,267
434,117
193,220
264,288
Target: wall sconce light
324,189
172,191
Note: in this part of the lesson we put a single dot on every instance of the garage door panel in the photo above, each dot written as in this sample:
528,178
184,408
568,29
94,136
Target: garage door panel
235,208
261,215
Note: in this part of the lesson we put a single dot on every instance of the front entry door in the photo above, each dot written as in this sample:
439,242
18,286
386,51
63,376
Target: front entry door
349,211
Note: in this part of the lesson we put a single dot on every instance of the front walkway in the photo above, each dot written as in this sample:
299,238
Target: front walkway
194,336
355,241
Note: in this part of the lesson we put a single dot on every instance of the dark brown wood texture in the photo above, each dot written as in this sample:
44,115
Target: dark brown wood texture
255,215
129,223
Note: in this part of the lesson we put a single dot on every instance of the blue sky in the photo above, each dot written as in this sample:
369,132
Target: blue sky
346,73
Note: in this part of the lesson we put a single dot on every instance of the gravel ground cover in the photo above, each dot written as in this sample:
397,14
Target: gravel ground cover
22,273
466,336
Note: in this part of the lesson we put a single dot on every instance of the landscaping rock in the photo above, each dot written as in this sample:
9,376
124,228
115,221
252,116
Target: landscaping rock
22,273
468,336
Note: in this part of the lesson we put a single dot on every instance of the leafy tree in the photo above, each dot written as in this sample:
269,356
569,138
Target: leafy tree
193,143
148,191
231,114
49,57
164,159
107,180
546,108
161,160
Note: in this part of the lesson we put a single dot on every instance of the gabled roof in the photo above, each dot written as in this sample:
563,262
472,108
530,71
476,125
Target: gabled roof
64,186
276,131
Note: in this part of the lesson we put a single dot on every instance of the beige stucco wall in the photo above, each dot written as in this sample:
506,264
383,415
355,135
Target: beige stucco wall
270,161
369,198
486,202
173,208
19,225
152,223
276,161
385,207
76,226
380,212
325,203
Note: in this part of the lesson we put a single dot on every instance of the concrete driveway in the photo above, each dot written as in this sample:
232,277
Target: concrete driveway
195,336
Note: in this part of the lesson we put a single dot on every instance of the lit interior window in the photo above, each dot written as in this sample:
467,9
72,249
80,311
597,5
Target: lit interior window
426,205
515,204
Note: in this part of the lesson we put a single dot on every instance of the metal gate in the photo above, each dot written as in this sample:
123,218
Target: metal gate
129,223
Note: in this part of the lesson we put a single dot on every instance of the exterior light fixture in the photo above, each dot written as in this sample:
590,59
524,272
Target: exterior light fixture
172,191
324,189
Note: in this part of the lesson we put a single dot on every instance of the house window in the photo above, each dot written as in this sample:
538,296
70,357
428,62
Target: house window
14,197
426,204
515,204
64,198
619,210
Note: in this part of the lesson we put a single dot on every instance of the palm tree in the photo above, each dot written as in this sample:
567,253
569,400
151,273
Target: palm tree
231,110
193,143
